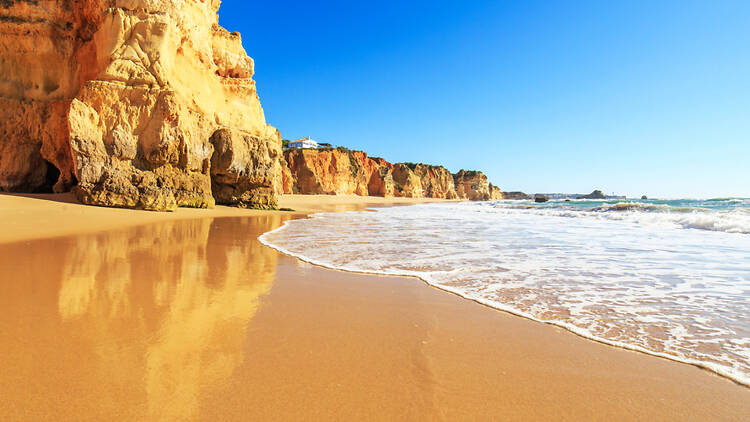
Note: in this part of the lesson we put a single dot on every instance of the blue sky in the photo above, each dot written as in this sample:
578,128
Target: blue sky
632,97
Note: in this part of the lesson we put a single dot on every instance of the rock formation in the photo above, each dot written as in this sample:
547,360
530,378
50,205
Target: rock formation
437,181
517,196
344,172
495,193
472,185
540,199
132,103
597,194
338,172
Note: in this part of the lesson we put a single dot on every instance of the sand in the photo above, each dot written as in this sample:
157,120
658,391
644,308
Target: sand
42,216
147,316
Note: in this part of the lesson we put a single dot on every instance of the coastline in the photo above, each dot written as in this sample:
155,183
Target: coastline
328,343
40,216
500,307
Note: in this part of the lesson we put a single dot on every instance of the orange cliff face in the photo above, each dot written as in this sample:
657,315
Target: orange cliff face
337,172
495,193
344,172
472,185
133,103
437,181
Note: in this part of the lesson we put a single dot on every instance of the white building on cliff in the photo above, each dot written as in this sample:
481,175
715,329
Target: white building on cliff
303,143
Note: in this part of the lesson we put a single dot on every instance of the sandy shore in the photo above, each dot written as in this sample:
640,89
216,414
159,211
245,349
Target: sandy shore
40,216
126,315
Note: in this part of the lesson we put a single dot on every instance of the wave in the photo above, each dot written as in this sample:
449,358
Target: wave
734,220
601,276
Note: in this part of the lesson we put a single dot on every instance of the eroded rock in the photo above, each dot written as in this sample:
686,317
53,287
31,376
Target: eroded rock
472,185
121,100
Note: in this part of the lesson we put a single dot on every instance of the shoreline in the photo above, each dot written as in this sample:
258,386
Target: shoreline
447,356
509,310
43,216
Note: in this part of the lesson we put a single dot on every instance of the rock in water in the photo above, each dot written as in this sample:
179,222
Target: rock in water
539,198
644,197
516,195
597,194
125,103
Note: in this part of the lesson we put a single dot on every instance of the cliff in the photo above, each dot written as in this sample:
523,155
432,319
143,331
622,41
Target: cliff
344,172
495,193
132,103
472,185
337,172
437,181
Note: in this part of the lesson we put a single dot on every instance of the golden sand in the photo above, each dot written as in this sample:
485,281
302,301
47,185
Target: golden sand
188,319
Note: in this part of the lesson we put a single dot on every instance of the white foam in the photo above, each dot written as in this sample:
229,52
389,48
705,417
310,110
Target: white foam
650,287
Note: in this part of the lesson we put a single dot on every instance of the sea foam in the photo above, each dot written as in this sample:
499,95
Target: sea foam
669,280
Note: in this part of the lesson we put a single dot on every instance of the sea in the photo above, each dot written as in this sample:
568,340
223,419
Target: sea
669,278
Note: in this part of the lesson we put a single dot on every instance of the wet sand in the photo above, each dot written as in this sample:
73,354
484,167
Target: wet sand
43,216
187,319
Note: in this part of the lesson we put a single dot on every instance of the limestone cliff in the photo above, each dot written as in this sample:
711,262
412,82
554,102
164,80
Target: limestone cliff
437,181
132,103
495,193
472,185
408,183
344,172
338,172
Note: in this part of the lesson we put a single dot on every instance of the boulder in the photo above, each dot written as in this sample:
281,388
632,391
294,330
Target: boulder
244,169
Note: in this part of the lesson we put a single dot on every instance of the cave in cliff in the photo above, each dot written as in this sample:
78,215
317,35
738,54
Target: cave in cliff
119,102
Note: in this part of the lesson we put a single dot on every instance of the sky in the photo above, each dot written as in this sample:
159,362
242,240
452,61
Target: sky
631,97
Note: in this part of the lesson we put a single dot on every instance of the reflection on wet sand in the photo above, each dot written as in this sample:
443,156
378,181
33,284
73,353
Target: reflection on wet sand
160,312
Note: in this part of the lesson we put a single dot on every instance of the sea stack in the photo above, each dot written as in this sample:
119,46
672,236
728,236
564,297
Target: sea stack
128,103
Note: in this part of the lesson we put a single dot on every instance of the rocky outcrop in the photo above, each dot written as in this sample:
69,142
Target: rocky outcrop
472,185
132,103
344,172
437,181
516,196
407,182
495,193
597,194
338,172
244,169
540,199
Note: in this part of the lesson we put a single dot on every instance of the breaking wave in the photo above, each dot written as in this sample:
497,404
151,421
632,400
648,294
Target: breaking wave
669,278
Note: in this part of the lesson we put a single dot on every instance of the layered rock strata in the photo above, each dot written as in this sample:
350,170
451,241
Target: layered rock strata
344,172
132,103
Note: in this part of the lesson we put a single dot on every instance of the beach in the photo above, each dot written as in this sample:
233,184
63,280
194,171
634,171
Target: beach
112,314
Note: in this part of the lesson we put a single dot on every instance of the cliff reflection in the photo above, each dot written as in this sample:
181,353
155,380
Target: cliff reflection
147,319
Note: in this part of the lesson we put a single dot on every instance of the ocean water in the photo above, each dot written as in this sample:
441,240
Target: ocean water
669,278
